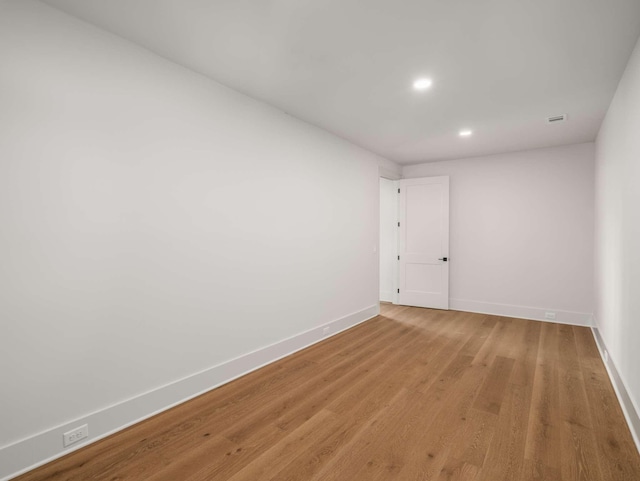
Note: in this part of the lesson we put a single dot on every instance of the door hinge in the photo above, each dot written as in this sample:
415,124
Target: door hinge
398,257
398,191
398,291
398,224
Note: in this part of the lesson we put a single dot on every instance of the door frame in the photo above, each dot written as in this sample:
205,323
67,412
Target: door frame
395,276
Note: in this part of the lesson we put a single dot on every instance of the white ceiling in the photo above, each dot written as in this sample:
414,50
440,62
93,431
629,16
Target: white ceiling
499,67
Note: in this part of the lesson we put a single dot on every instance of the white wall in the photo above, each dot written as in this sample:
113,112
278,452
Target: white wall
521,232
155,224
618,231
388,239
389,169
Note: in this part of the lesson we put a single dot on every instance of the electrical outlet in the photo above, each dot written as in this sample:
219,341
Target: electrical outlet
325,331
550,315
75,435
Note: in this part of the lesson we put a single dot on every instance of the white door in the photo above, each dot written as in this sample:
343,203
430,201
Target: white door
424,242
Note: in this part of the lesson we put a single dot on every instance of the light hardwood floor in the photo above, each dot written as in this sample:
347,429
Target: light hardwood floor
414,394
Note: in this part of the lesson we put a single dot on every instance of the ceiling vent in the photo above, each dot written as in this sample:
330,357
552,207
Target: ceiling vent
556,119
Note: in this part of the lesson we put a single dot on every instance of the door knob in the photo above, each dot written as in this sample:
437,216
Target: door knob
445,259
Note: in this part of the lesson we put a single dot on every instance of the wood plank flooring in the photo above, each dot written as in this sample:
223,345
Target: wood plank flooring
412,395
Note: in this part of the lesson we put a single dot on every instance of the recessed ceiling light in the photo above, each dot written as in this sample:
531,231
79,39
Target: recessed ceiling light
422,84
465,133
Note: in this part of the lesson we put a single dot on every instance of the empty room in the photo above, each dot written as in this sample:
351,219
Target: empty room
254,240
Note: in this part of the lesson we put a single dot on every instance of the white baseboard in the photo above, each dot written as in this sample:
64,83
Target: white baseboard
522,312
626,402
41,448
